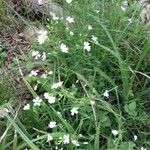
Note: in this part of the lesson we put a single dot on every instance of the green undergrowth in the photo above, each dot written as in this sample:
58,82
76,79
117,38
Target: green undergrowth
104,90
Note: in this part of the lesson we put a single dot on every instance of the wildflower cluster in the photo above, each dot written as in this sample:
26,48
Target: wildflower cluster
71,92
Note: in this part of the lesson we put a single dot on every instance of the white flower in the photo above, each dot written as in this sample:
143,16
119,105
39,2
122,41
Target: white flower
57,85
50,98
42,36
87,46
66,139
70,19
114,132
77,81
43,56
74,111
94,39
50,72
33,73
106,94
64,48
142,148
125,3
85,143
92,102
52,124
130,20
26,107
37,101
36,55
68,1
90,27
135,137
124,6
49,138
97,11
75,142
44,76
71,33
35,87
81,136
40,2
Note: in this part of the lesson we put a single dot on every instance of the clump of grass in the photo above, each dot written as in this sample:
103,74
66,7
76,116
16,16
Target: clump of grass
91,90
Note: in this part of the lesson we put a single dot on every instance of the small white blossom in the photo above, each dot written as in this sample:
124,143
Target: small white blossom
124,6
90,27
114,132
35,87
43,56
81,136
135,137
40,2
106,94
36,55
52,124
42,36
64,48
70,19
33,73
49,138
66,139
44,76
37,101
26,107
87,46
57,85
75,142
74,111
94,39
130,20
68,1
85,143
77,81
142,148
50,72
71,33
97,11
50,98
92,102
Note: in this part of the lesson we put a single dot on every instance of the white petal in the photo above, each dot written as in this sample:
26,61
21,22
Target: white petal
49,138
114,132
68,1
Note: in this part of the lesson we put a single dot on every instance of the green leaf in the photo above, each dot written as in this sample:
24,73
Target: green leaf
22,134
